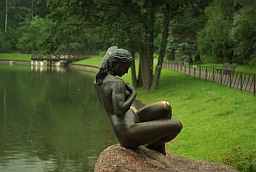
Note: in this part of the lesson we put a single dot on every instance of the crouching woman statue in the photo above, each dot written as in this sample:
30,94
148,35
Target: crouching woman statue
151,125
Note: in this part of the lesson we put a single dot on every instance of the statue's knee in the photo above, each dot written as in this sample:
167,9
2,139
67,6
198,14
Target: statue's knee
167,108
179,124
165,103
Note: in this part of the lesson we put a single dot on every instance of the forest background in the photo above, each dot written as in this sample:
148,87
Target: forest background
195,31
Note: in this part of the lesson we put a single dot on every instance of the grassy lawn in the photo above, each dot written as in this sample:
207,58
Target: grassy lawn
14,56
215,118
93,61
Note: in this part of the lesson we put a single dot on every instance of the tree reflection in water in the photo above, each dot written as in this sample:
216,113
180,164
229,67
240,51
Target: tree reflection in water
50,121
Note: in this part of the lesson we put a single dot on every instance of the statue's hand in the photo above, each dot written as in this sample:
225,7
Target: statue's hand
130,90
127,94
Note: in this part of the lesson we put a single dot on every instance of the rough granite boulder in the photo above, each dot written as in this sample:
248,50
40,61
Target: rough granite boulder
119,159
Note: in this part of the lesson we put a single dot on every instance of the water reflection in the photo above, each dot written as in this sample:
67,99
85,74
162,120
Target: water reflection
44,68
50,121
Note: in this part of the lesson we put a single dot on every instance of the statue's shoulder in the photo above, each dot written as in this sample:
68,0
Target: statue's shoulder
113,82
111,78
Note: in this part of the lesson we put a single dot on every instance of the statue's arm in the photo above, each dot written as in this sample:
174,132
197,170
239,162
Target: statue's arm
131,90
120,104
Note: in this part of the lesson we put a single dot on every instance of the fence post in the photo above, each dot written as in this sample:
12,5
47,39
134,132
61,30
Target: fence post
199,75
230,79
254,84
206,73
241,81
221,76
213,75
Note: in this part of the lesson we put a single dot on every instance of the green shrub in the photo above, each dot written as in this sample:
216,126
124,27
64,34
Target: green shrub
253,62
102,53
242,161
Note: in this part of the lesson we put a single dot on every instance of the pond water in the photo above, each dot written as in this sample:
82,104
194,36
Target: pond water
50,121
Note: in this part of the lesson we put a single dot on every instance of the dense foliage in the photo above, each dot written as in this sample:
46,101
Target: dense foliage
230,32
219,31
28,26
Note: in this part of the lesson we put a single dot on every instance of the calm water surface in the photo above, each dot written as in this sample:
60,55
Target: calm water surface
50,121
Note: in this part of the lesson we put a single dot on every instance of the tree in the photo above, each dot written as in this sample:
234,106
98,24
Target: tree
6,16
243,34
185,24
128,24
213,40
36,35
229,34
163,46
12,14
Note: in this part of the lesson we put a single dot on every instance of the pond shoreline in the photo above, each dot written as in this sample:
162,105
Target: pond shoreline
136,104
88,68
12,62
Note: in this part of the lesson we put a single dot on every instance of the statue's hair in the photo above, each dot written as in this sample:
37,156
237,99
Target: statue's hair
121,55
118,55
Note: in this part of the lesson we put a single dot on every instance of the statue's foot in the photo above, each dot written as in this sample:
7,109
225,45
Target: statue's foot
159,148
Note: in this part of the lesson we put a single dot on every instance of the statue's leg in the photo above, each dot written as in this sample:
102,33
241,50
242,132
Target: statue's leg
159,145
155,111
154,133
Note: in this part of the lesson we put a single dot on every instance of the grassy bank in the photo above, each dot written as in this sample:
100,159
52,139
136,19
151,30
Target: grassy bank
14,56
93,61
215,118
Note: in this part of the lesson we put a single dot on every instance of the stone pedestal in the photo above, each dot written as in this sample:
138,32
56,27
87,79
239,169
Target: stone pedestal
119,159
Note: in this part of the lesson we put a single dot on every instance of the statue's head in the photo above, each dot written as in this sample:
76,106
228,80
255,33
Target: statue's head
116,63
119,62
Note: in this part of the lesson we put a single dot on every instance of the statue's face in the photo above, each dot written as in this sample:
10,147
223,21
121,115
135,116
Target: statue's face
122,68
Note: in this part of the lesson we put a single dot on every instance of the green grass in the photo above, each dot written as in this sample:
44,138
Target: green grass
14,56
215,118
93,61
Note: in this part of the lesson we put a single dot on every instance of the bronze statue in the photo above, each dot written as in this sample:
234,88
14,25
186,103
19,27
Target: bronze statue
151,125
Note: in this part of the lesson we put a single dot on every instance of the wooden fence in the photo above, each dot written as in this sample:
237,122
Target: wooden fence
238,80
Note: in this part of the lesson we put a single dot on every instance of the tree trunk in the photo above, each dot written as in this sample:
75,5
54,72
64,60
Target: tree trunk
163,47
139,75
146,67
133,72
146,52
6,16
151,36
32,9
